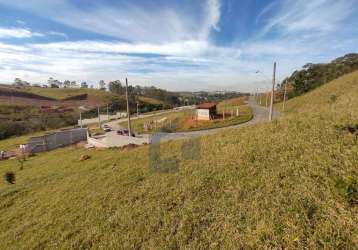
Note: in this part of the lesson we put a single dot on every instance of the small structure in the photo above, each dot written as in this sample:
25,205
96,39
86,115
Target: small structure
206,111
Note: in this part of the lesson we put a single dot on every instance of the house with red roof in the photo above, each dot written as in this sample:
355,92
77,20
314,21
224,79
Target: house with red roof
206,111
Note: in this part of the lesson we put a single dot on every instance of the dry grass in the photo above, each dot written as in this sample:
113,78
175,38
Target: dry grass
288,184
63,93
149,100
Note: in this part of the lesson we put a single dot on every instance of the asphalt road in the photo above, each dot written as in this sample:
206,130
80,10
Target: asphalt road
115,124
260,114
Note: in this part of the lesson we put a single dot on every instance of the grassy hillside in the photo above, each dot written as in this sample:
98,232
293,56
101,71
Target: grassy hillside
63,93
149,100
288,184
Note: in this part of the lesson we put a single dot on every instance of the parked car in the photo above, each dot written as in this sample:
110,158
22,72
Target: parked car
107,129
124,132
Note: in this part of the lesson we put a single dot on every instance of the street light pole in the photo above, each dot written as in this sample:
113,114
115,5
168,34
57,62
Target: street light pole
99,118
272,91
81,118
128,111
284,98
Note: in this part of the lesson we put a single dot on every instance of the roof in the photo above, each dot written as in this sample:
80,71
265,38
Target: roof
207,105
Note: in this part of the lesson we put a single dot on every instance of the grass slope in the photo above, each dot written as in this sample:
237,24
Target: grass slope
289,184
63,93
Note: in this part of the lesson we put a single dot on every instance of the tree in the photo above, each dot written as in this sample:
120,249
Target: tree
116,87
84,85
50,81
20,83
102,85
66,84
17,82
54,86
73,84
58,83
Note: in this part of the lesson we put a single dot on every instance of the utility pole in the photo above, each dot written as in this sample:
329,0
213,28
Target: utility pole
272,91
137,109
81,118
128,112
107,113
99,118
267,93
284,98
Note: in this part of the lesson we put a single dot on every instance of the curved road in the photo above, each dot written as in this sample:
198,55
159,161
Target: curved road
260,114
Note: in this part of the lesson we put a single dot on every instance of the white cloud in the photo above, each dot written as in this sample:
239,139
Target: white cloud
17,33
55,33
212,16
178,49
310,16
129,21
20,22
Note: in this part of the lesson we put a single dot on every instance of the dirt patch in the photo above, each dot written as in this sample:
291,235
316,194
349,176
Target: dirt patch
85,157
129,146
352,129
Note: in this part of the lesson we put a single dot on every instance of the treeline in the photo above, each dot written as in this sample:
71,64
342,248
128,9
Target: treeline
203,96
20,120
315,75
168,98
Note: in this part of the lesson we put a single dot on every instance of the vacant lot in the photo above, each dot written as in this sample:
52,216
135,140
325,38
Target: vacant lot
185,120
287,184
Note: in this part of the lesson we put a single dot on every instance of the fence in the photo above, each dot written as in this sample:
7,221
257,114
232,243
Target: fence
103,118
56,140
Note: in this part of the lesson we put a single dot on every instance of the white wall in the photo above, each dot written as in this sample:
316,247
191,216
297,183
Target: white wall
203,114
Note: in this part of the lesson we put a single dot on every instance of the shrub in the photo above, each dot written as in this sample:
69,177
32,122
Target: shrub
10,177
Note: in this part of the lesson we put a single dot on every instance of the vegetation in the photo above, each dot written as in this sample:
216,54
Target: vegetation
315,75
13,142
9,177
19,120
291,183
63,93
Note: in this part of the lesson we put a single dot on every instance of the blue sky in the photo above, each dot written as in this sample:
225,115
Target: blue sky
177,44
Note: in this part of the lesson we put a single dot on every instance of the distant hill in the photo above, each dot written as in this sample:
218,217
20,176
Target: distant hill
29,109
37,96
315,75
